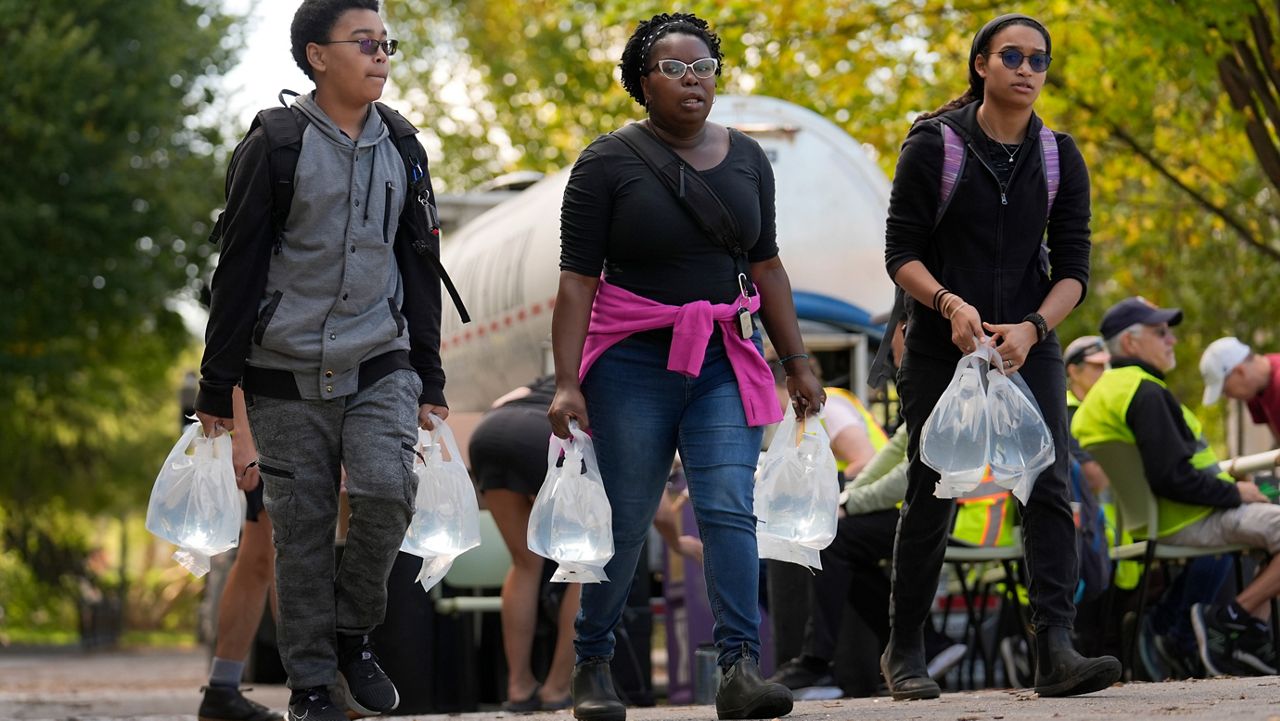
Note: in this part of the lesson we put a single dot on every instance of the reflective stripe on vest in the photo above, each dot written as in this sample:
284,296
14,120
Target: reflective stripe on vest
982,515
1101,418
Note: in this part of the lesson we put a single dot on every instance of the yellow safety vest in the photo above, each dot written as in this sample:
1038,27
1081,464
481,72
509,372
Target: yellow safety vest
984,515
1101,418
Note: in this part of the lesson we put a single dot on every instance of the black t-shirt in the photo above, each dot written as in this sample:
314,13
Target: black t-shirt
619,218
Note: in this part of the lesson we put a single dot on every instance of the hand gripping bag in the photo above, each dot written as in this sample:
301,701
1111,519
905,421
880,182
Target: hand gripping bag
798,494
195,503
446,517
1021,445
571,522
955,440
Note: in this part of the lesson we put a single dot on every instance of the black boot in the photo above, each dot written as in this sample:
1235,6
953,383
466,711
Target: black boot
745,694
1061,671
904,667
593,696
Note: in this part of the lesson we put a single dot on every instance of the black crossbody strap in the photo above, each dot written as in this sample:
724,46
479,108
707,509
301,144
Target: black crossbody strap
699,199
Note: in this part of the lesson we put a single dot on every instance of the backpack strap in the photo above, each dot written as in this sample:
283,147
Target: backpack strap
1052,169
952,166
402,134
283,128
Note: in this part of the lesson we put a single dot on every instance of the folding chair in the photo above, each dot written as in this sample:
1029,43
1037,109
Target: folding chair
1138,513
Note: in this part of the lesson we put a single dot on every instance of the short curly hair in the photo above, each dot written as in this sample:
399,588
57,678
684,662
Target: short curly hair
313,22
635,56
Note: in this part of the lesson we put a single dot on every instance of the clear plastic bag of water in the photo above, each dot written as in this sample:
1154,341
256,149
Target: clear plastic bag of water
956,438
446,518
195,503
797,496
1021,445
571,522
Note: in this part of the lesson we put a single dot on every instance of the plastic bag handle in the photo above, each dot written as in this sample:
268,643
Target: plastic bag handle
441,430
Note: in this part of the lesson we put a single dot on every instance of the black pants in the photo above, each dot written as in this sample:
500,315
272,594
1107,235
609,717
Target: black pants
1048,531
861,542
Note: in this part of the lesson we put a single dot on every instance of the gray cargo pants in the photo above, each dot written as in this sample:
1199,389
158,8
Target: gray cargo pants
302,445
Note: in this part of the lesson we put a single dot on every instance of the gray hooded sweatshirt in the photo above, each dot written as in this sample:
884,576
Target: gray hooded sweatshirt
334,292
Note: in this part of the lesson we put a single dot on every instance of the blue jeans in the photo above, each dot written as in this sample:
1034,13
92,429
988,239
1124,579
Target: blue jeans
640,414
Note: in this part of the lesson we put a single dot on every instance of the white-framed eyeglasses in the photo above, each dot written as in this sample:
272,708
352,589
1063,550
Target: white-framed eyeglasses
675,69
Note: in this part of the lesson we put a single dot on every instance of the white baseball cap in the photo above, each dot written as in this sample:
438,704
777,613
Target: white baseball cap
1219,359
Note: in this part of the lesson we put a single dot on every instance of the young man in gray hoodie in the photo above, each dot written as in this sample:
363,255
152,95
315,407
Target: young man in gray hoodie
331,324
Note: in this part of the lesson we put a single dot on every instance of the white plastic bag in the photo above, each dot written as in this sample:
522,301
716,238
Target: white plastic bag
571,522
195,503
956,437
985,418
798,494
446,519
1021,445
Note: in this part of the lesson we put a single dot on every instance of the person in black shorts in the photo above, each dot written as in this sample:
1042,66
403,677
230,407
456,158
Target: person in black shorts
508,453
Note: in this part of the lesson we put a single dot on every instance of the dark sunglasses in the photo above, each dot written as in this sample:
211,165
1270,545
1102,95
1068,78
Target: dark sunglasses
369,46
675,69
1012,59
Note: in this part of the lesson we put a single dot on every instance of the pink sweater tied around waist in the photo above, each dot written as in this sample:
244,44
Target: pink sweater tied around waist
618,313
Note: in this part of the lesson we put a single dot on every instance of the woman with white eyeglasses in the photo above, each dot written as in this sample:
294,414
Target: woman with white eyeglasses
668,260
978,184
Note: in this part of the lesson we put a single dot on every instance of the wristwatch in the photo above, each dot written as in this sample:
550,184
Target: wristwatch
1042,327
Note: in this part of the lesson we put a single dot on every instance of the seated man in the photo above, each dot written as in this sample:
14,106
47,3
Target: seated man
1199,504
1230,368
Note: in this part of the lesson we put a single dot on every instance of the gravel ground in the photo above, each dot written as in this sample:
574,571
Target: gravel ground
163,686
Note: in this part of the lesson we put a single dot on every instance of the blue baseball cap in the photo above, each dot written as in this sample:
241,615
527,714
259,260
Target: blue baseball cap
1136,310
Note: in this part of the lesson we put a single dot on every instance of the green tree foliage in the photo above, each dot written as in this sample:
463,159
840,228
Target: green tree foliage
1175,106
107,183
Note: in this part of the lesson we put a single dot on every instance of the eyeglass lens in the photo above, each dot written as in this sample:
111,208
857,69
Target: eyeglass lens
369,46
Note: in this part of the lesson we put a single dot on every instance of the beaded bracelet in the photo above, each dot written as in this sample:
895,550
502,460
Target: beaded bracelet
783,360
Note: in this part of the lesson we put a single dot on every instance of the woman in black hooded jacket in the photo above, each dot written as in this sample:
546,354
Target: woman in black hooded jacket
976,269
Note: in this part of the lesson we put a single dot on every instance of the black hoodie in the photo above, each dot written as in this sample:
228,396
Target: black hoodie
986,252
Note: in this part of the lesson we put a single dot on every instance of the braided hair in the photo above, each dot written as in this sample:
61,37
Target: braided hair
981,44
635,56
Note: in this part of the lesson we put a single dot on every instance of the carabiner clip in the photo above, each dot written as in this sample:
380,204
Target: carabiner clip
742,285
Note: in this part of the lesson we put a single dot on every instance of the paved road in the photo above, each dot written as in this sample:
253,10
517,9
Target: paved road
162,686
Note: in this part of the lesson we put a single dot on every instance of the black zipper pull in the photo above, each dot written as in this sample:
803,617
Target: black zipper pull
682,180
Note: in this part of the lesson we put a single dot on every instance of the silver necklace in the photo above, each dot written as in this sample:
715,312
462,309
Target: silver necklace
1003,146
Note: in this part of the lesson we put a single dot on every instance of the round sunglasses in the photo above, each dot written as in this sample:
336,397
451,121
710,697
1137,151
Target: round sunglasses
369,46
1012,59
675,69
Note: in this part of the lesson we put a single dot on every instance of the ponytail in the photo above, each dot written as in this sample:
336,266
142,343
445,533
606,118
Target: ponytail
970,96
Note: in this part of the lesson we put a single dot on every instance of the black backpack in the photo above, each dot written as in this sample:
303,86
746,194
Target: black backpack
283,128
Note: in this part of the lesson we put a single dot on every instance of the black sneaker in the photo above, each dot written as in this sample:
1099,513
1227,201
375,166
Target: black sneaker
1217,642
802,672
227,703
1255,651
313,704
364,685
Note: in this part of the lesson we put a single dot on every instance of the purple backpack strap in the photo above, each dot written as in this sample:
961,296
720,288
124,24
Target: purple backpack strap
952,163
1052,171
